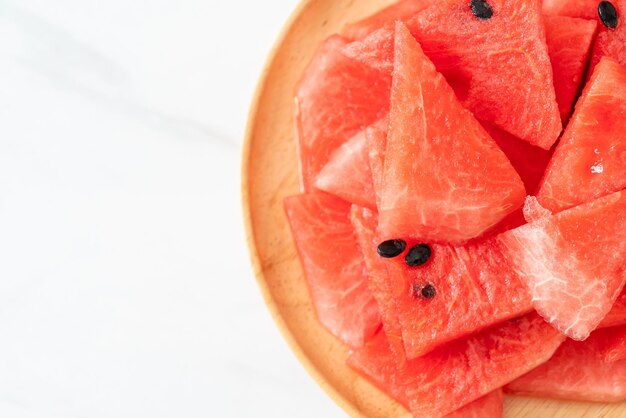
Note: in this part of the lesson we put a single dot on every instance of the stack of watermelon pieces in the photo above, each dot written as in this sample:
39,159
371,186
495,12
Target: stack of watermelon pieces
462,221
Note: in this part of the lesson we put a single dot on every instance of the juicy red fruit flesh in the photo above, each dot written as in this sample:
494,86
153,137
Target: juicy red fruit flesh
430,136
460,372
333,266
335,99
572,288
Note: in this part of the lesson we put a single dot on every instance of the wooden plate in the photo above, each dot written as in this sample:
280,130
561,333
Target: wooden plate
270,174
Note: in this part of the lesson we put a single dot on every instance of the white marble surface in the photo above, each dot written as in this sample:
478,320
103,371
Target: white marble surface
125,286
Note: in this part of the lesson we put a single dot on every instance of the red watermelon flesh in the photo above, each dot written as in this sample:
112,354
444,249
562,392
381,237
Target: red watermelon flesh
569,45
376,143
382,283
469,51
529,161
462,371
335,99
615,348
585,9
474,289
617,314
435,185
577,372
590,160
401,10
489,406
574,263
610,42
333,266
348,174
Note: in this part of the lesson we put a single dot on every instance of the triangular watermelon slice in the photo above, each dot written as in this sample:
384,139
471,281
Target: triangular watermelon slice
574,263
473,288
348,173
333,266
569,45
335,99
590,160
578,372
462,371
469,51
382,283
436,186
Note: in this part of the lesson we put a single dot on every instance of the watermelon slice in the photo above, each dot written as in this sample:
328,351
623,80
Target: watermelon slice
574,263
577,372
335,99
469,51
382,284
435,186
569,43
348,174
473,285
489,406
615,347
462,371
334,266
401,10
590,160
611,39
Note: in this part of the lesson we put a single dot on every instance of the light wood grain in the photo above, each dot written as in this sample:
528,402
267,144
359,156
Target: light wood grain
270,174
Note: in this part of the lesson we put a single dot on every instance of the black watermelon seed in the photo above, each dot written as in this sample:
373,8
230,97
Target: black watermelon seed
608,14
428,291
481,9
418,255
391,248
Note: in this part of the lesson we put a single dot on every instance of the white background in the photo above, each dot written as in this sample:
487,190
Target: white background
125,286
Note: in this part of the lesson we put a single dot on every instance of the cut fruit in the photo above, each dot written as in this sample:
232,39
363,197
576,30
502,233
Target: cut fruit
611,40
348,174
590,160
470,51
333,266
335,99
577,372
401,10
436,187
489,406
474,288
569,43
574,263
381,282
462,371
